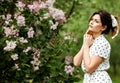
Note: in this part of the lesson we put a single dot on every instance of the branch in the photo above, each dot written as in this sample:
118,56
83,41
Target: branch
71,9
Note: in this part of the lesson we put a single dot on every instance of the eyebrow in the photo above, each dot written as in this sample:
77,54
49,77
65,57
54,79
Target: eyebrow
96,19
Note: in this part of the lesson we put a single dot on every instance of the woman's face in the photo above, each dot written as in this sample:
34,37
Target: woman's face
95,24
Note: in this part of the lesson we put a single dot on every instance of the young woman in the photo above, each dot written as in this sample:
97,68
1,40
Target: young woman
95,51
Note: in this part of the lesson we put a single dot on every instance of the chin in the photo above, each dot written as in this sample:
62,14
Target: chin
91,29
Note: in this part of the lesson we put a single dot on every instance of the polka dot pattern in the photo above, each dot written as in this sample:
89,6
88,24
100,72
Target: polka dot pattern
100,47
97,77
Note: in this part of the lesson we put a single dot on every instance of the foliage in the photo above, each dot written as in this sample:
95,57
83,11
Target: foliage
47,41
31,48
78,23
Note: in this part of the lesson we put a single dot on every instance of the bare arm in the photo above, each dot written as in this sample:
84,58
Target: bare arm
91,63
78,57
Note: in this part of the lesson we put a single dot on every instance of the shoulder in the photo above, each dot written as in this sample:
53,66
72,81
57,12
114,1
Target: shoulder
101,41
102,47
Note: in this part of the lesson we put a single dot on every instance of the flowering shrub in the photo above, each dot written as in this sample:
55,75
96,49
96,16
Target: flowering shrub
30,49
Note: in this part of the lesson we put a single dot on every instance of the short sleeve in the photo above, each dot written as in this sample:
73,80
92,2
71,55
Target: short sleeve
102,50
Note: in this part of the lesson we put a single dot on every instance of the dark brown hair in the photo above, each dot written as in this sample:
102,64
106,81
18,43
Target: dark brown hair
106,20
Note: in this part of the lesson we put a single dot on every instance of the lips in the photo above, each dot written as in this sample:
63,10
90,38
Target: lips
90,26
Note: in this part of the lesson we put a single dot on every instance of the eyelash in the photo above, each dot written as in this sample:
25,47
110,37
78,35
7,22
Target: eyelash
95,20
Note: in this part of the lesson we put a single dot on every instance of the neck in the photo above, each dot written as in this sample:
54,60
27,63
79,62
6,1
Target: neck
95,35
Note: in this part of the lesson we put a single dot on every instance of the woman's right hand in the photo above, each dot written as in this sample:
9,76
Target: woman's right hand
88,39
89,32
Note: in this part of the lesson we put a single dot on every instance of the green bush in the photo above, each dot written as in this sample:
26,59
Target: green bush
31,47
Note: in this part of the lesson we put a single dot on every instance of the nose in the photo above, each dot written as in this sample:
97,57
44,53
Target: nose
91,22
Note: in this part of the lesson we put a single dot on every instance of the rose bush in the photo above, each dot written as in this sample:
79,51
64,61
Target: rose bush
31,48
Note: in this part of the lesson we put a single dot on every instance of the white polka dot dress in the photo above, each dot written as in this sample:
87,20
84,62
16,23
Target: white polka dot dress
100,47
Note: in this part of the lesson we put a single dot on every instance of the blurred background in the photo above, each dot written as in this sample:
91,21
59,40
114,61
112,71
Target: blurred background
53,42
78,13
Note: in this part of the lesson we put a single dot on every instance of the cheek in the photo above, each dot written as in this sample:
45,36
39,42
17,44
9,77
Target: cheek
99,29
97,26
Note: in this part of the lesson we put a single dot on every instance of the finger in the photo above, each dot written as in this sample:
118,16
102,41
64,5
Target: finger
88,35
89,32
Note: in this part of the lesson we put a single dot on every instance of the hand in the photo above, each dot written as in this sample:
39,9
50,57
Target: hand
88,40
89,32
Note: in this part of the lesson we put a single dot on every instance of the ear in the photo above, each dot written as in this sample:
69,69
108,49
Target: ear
104,28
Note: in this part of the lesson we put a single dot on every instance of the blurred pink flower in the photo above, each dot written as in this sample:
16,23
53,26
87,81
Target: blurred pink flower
49,3
7,31
69,69
28,49
14,56
67,36
8,19
22,40
57,14
20,5
52,25
42,5
16,14
21,20
10,31
16,66
11,45
30,33
2,0
3,17
35,62
68,59
34,7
